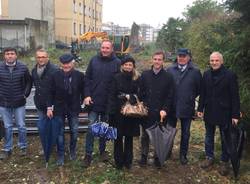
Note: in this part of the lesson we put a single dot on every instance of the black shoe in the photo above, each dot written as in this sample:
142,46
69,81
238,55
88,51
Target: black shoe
87,161
4,155
104,157
143,161
60,161
128,166
157,162
224,168
118,166
183,160
72,155
23,152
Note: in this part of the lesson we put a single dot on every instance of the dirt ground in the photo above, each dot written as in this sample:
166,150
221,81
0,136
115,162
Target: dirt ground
31,169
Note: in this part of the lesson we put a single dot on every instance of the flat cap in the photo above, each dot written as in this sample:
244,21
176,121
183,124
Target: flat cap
66,58
183,51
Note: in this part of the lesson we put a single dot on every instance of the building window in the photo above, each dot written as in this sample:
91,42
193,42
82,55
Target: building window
96,15
80,8
74,6
84,9
80,29
74,28
89,12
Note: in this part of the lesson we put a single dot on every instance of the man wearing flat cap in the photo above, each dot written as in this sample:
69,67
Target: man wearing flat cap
187,87
66,94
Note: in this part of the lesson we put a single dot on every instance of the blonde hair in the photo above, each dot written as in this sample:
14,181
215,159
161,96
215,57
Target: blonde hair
136,74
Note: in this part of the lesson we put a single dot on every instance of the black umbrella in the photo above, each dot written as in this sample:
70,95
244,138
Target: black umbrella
234,141
48,132
162,138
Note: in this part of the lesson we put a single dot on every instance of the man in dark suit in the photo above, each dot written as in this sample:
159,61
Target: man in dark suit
66,97
41,76
157,93
220,103
187,79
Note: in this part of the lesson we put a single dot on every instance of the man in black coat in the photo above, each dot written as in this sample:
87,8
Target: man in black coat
156,92
64,101
41,76
99,74
15,82
220,103
187,87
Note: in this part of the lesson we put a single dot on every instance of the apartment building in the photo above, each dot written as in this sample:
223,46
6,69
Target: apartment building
147,32
75,17
67,19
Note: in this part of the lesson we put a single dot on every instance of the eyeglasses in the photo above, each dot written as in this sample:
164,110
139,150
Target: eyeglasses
41,57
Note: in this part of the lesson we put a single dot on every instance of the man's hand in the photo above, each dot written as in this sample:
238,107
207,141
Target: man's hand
88,101
163,114
50,113
235,122
200,114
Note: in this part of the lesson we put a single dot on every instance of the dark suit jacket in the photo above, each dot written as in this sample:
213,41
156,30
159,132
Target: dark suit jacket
64,103
157,93
219,99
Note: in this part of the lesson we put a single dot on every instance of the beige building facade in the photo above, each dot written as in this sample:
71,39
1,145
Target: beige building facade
75,17
67,19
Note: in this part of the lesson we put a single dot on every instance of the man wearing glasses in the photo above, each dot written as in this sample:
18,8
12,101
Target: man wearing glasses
41,75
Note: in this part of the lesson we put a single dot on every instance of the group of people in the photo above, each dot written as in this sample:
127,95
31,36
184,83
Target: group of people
108,83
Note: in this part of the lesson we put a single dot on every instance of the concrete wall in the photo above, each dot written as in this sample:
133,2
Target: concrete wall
34,9
26,34
25,8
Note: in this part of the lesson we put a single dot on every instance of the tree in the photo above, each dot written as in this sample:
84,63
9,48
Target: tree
202,9
170,36
241,6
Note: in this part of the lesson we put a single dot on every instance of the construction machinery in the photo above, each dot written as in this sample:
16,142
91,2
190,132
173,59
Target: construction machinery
121,42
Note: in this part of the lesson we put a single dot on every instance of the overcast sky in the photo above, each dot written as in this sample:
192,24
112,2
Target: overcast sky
153,12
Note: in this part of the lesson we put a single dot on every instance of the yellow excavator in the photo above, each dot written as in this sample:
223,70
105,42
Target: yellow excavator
121,42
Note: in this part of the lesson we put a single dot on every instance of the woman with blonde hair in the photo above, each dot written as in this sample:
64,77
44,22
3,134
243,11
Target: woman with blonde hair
123,88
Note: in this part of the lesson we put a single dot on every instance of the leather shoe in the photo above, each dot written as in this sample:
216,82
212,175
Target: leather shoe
183,160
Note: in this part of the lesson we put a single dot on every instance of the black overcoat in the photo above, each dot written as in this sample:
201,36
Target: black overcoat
42,85
123,84
187,88
157,93
64,103
98,77
219,99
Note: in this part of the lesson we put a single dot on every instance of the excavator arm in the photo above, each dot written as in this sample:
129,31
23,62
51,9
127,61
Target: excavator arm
88,36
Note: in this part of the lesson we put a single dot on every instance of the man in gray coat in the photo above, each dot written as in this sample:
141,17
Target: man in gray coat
187,87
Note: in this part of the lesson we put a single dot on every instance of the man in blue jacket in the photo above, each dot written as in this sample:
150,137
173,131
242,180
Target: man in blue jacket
15,82
99,74
187,87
